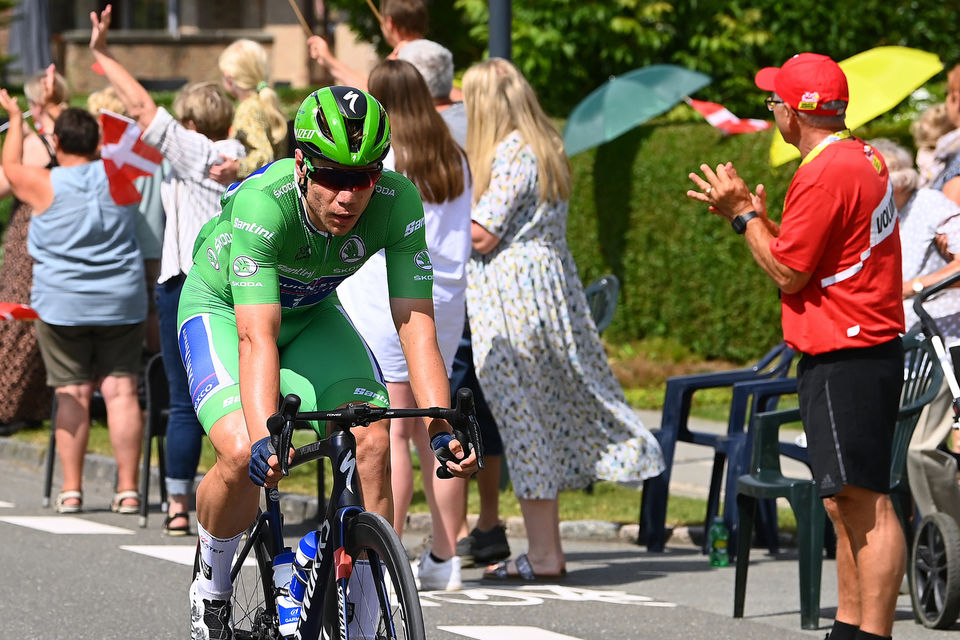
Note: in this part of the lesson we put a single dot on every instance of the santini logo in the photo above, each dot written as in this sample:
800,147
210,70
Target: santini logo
254,228
413,226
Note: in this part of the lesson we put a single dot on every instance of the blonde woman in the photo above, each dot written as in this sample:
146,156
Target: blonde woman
562,414
258,121
424,151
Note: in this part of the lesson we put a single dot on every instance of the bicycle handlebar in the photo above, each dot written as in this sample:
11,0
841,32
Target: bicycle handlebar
462,418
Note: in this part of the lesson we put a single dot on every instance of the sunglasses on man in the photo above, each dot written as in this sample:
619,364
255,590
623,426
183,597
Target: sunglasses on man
337,179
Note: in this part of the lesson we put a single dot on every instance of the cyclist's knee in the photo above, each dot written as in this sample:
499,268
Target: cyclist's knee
232,444
373,443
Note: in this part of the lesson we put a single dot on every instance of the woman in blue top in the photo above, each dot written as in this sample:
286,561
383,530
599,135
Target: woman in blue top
90,294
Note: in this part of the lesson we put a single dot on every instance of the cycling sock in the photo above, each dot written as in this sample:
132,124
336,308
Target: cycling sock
843,631
436,559
863,635
216,556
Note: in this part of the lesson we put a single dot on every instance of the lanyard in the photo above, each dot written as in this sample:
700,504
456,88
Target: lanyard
833,137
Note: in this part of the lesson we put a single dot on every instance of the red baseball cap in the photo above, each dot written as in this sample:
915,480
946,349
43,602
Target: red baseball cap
808,82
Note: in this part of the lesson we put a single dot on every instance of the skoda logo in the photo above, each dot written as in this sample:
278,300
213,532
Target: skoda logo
212,257
244,266
352,250
423,260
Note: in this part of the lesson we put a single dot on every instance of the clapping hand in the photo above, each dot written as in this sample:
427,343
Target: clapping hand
9,104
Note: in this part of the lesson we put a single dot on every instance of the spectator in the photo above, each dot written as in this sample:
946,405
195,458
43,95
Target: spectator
423,150
192,143
936,140
24,396
88,289
836,261
403,22
150,221
932,472
536,350
487,541
948,180
258,122
435,64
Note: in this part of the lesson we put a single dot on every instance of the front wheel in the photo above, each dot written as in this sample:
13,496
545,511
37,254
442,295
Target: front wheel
381,600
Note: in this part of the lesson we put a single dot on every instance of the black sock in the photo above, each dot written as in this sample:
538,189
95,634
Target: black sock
436,559
843,631
863,635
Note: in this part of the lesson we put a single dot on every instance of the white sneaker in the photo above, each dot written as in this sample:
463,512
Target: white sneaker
209,619
438,576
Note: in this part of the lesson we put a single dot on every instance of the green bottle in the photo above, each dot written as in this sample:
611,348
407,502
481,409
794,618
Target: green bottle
718,536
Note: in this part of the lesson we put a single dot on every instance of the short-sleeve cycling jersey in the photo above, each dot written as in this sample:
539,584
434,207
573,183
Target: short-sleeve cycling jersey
263,248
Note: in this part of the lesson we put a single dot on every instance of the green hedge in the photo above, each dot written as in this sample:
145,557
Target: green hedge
685,275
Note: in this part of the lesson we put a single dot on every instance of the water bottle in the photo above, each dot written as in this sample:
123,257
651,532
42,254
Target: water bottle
718,537
288,608
302,562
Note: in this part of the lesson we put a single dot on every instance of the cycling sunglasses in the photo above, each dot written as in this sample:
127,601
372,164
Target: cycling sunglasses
337,179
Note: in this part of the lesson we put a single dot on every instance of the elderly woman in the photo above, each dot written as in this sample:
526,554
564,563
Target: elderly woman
926,214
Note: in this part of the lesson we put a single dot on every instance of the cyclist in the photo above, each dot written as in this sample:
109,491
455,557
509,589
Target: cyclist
259,317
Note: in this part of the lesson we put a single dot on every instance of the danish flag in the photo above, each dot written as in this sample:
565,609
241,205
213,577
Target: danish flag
720,117
125,156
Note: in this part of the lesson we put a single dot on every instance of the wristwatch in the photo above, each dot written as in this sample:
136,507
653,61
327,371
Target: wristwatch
739,223
917,286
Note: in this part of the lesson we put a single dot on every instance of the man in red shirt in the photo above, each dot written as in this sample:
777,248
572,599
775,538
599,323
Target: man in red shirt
836,259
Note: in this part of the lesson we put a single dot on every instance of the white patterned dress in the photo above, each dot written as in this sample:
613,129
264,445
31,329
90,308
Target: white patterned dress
539,359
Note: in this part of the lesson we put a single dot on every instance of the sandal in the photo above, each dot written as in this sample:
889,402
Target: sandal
118,506
524,572
182,530
74,507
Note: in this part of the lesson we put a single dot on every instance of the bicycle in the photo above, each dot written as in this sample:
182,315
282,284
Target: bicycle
337,597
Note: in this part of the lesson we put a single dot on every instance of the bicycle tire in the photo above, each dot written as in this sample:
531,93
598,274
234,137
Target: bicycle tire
253,604
934,572
396,617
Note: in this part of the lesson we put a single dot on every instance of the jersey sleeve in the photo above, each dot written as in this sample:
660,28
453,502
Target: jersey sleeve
409,269
255,248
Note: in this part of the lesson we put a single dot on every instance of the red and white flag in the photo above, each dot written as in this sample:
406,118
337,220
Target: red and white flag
720,117
125,156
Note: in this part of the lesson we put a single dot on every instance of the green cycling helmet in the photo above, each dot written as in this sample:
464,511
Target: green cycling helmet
344,125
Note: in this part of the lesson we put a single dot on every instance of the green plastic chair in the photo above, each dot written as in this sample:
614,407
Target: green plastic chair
602,299
922,379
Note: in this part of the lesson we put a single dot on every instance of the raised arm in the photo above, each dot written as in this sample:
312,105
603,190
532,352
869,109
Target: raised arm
320,51
30,184
135,98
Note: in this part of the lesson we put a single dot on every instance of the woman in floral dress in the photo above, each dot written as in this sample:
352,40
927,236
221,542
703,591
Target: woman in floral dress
539,359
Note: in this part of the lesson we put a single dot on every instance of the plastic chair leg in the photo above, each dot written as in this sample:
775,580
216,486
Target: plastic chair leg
51,455
145,476
767,524
653,513
746,506
713,497
811,518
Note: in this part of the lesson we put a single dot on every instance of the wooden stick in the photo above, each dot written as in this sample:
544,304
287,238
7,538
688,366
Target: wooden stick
376,13
303,21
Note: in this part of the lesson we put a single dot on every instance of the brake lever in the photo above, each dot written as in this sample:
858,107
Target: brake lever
465,429
281,426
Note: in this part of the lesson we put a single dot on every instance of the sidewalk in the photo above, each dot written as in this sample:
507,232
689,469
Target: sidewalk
690,477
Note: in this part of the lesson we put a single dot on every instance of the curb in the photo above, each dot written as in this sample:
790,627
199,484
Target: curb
298,508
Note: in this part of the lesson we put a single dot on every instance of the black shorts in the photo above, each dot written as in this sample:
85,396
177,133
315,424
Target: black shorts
848,403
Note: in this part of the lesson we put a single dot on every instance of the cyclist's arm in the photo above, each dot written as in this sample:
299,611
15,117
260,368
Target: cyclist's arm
413,318
258,326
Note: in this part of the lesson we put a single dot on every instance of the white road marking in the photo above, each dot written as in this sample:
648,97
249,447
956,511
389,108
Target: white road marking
66,525
528,595
180,554
507,633
6,505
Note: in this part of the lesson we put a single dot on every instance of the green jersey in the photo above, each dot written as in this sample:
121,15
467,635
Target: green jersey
263,248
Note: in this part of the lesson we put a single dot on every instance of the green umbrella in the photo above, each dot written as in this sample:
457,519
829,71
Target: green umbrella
624,102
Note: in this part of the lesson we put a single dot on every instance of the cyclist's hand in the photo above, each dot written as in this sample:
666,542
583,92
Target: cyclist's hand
264,464
451,454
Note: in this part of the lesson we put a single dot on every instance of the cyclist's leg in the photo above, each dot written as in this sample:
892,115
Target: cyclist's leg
402,432
328,364
226,499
